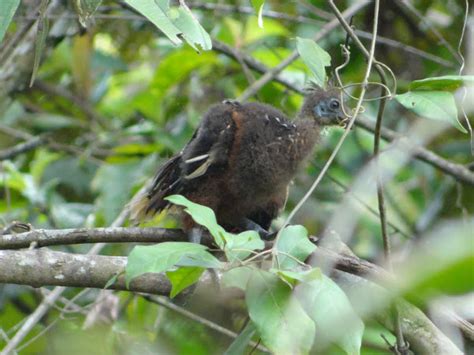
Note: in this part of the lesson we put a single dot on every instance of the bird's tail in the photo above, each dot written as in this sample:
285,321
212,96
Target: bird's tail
166,182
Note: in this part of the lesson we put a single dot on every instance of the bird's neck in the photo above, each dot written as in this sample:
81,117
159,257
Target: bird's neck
307,135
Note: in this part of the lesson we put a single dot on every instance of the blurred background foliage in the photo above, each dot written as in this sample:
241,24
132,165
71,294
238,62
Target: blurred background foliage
118,100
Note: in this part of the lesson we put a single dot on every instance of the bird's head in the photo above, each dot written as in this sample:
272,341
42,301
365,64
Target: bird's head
324,106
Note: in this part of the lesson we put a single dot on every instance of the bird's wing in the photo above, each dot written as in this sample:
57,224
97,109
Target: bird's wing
212,143
207,149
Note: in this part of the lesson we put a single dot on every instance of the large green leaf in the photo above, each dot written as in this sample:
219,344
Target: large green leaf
7,10
435,105
162,257
330,309
283,325
315,58
201,215
292,246
442,83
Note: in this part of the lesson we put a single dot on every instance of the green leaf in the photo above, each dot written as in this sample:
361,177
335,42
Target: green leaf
201,215
240,343
442,83
157,12
238,277
239,246
435,105
258,6
330,309
7,10
282,323
182,278
173,22
85,9
162,257
315,58
192,30
293,243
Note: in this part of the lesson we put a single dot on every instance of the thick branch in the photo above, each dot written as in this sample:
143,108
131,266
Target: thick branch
43,267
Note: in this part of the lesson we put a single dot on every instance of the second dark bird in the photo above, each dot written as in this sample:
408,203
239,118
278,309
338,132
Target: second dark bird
241,160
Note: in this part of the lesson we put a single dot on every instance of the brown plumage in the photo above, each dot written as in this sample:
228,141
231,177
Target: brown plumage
241,160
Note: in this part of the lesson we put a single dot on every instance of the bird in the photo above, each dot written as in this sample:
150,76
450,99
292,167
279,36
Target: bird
241,161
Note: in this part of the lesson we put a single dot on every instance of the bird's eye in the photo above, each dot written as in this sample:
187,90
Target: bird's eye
334,104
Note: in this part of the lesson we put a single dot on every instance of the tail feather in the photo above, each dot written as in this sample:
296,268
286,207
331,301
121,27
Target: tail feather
167,182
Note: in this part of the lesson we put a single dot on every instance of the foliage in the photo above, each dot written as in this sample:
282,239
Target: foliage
286,323
119,91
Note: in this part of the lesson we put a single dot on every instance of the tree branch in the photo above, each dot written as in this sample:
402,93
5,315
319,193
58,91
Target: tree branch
43,267
50,237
